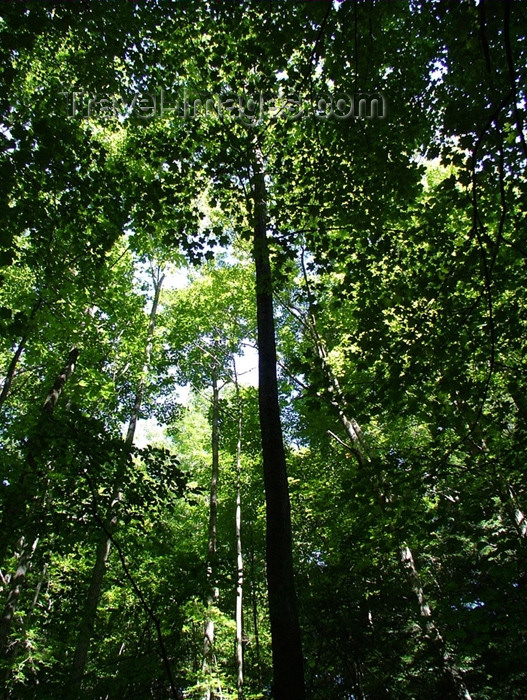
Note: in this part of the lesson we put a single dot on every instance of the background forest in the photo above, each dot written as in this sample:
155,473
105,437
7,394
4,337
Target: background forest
348,213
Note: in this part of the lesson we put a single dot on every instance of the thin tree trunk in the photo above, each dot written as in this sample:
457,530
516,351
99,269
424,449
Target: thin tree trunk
407,560
254,605
511,505
17,504
10,374
515,513
34,602
12,519
102,554
239,550
209,661
359,448
20,494
24,561
288,667
26,551
478,446
88,620
430,628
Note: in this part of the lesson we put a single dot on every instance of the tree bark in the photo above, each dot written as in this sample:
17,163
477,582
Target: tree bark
19,496
25,555
359,448
479,446
254,605
515,512
429,626
10,374
17,504
102,554
287,657
239,550
213,592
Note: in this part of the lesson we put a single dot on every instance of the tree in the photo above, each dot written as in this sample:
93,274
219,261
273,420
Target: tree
16,513
111,520
287,649
387,142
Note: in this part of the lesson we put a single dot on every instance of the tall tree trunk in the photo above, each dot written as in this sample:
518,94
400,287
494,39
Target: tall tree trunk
478,445
10,374
213,592
12,523
24,562
102,553
90,613
12,520
254,605
512,507
56,390
17,504
407,560
239,550
429,627
288,666
406,557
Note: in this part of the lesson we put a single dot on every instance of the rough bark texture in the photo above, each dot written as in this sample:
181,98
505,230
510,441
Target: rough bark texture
60,381
25,554
285,629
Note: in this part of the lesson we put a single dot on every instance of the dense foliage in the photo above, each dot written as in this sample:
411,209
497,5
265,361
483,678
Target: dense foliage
159,160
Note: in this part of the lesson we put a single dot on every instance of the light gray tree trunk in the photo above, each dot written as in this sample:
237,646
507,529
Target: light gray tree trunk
254,606
428,625
516,514
213,594
360,450
478,446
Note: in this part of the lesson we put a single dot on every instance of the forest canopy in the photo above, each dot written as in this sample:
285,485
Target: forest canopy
263,359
